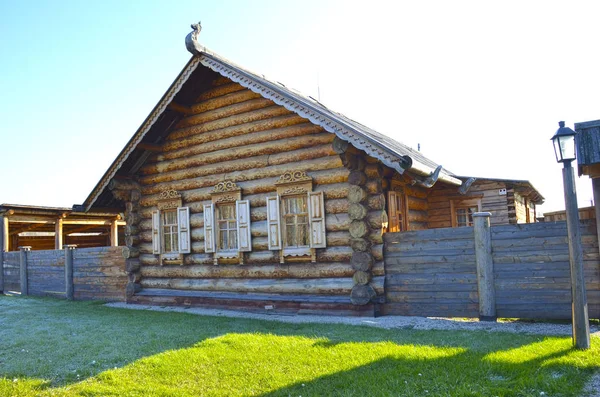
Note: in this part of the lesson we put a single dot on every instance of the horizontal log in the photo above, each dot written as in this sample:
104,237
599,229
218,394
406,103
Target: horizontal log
274,271
376,201
417,216
374,186
319,286
224,100
415,203
245,149
225,111
329,254
196,199
374,171
254,168
123,184
225,122
227,137
220,90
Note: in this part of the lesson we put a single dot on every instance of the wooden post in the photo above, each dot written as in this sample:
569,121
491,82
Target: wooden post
485,266
596,188
58,237
3,248
581,325
69,287
23,270
114,234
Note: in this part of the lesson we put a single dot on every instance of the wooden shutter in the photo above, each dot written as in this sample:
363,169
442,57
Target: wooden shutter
394,212
316,210
209,228
242,209
273,224
156,232
183,229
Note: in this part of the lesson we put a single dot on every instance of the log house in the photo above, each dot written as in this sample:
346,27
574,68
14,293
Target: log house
239,192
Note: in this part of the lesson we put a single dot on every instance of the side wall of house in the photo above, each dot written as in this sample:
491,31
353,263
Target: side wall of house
489,192
235,134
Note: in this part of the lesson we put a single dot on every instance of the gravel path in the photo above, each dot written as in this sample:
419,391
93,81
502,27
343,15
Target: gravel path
388,322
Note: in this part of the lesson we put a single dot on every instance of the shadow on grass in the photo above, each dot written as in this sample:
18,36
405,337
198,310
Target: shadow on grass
66,343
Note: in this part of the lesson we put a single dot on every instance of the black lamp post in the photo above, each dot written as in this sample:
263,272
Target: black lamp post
564,148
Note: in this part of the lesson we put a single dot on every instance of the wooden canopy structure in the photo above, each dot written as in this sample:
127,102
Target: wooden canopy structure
52,227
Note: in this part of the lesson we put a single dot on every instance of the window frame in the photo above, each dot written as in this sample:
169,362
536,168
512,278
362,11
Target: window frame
465,203
398,191
295,184
227,193
171,201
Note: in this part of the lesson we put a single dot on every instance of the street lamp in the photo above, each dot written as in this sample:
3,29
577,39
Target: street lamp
564,148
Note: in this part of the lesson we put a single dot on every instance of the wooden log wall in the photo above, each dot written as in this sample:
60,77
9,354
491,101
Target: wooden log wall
431,273
46,273
531,268
520,208
99,274
235,134
440,196
129,191
11,267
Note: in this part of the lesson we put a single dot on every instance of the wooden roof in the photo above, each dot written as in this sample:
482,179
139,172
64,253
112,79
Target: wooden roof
196,76
521,186
588,147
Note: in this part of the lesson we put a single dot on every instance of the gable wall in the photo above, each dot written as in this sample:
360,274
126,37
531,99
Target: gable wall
237,135
491,201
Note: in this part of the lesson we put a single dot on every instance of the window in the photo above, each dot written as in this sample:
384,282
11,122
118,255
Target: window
227,227
397,211
463,210
227,224
170,241
171,228
296,218
295,221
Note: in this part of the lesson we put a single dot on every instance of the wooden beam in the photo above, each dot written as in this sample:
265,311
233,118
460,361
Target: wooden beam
4,234
28,227
180,108
114,234
85,228
58,234
154,148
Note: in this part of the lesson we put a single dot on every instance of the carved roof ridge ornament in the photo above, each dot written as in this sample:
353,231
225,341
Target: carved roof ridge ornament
169,194
293,177
225,186
191,40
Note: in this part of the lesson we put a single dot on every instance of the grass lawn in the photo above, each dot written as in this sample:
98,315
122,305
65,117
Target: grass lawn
56,348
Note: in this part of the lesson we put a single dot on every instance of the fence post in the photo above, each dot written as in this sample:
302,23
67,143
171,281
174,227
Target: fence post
23,269
485,266
3,247
69,290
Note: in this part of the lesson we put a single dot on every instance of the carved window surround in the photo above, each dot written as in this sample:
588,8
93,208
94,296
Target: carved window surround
295,183
227,192
170,200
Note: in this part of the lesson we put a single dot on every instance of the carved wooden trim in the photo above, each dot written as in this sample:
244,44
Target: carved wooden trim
293,177
225,186
226,192
169,199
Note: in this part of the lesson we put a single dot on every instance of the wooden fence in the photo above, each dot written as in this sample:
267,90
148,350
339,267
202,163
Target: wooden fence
91,273
434,272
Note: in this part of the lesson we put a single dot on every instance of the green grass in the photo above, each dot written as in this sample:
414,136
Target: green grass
58,348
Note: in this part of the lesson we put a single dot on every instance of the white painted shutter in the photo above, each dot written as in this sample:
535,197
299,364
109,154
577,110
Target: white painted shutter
209,228
316,208
183,229
156,232
273,225
242,209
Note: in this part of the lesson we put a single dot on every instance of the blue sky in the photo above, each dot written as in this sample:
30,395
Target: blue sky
480,86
